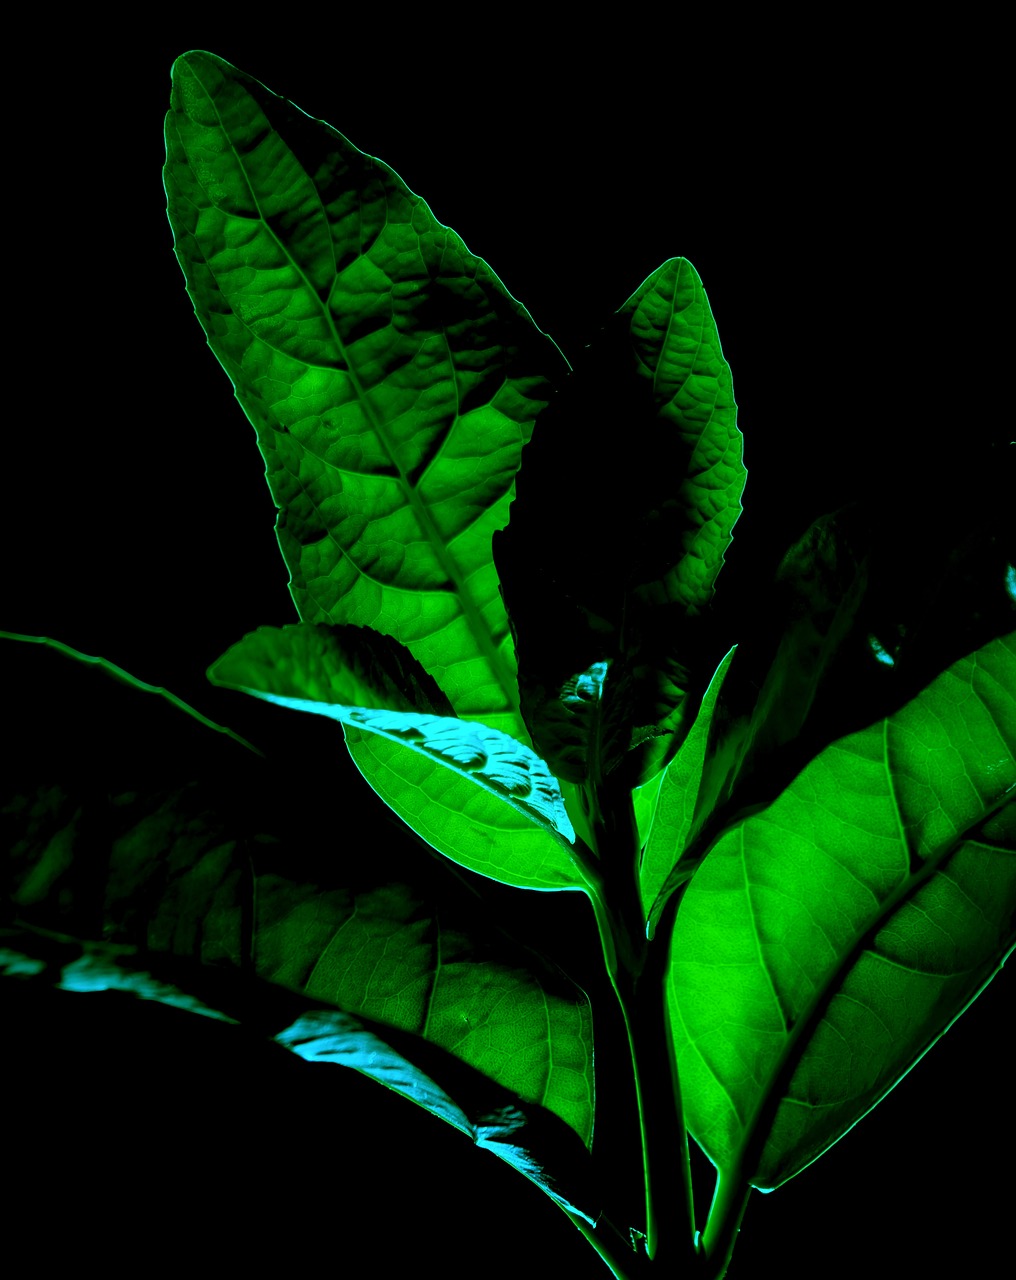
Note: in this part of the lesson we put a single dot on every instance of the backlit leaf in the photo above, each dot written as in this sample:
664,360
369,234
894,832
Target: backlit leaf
829,939
674,337
673,818
391,379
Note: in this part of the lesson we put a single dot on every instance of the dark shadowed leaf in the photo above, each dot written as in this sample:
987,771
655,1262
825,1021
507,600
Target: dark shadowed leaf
166,839
531,1139
868,607
626,500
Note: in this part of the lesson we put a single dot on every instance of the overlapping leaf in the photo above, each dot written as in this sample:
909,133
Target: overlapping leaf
164,838
391,379
627,497
492,806
828,940
867,608
674,813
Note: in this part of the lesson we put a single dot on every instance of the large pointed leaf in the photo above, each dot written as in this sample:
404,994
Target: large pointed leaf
181,842
626,499
830,939
390,378
492,805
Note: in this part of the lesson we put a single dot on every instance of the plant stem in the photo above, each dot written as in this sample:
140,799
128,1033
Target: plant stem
730,1199
624,1262
637,976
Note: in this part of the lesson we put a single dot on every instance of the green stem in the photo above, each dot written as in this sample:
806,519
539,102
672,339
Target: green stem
610,1244
671,1234
730,1200
637,976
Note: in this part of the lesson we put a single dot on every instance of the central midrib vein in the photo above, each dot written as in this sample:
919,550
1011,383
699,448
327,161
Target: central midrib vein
449,566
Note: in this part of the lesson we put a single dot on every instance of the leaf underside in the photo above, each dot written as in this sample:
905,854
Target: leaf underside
828,940
492,806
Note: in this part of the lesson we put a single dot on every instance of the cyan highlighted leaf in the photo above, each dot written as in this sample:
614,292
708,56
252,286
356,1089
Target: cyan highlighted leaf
477,795
531,1139
391,379
826,942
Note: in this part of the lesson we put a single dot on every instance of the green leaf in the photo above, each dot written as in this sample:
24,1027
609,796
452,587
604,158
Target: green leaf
478,807
626,499
166,839
661,871
404,961
830,939
867,608
816,598
677,347
351,666
391,379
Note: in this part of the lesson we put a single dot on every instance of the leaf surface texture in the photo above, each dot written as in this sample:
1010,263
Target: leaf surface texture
827,941
391,379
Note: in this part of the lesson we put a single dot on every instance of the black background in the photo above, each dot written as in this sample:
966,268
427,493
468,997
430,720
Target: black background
842,210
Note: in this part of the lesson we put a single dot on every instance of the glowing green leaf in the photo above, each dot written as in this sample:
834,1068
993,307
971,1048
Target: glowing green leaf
672,822
674,337
830,939
407,962
390,378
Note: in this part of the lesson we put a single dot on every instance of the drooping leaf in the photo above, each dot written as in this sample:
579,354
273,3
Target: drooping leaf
829,940
166,839
529,1138
626,499
391,379
492,805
